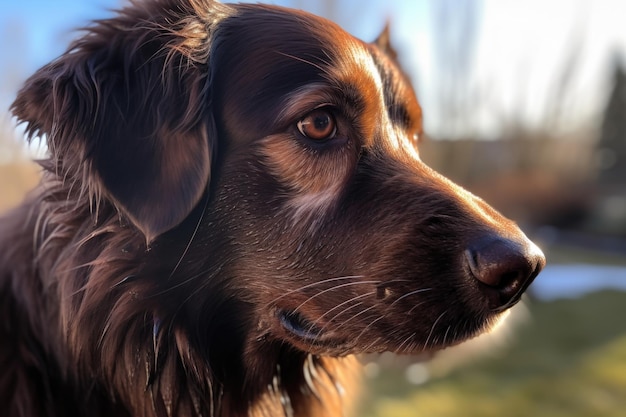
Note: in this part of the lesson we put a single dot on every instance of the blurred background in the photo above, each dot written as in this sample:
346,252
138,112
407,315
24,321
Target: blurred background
525,105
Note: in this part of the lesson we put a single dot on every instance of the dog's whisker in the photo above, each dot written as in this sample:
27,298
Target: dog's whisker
402,297
415,307
314,284
333,288
388,308
445,335
432,329
354,316
369,326
351,307
320,331
406,341
342,312
371,345
350,300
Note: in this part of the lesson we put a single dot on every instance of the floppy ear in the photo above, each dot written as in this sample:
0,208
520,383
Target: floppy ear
125,115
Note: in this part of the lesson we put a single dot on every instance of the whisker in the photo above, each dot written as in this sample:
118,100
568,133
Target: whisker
341,305
364,331
415,307
348,284
373,343
445,336
384,315
321,330
313,284
432,329
409,294
406,342
368,327
357,315
348,320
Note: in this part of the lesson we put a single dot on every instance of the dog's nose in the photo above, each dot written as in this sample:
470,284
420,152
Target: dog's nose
504,268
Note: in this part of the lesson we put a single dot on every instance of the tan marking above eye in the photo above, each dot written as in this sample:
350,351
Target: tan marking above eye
318,125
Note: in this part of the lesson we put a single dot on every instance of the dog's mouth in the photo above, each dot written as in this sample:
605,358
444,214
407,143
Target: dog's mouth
297,325
305,332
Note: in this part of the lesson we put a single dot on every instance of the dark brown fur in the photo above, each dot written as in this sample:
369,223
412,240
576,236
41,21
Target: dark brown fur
190,252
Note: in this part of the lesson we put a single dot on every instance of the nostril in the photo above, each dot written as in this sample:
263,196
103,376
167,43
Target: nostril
497,269
504,267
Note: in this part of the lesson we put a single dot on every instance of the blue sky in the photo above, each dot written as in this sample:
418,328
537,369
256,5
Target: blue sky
521,47
48,25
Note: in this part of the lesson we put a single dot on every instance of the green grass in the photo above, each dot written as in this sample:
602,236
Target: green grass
569,361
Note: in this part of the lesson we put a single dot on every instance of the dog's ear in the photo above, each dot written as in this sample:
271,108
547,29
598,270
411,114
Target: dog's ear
383,42
125,114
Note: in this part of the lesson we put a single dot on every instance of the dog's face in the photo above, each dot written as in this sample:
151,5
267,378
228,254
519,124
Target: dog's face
321,223
349,242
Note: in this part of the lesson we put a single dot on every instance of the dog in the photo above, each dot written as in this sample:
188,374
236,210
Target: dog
233,207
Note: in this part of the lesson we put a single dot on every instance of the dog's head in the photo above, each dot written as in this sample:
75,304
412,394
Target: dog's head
282,154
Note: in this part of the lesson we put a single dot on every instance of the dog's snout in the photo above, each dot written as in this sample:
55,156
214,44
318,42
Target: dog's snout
504,268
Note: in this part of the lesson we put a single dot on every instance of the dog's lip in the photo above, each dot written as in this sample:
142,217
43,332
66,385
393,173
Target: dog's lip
296,324
306,330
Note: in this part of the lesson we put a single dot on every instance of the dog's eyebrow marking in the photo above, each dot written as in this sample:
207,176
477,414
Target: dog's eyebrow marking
362,68
403,113
302,100
355,71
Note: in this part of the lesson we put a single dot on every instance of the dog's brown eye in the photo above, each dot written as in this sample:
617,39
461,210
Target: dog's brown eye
318,125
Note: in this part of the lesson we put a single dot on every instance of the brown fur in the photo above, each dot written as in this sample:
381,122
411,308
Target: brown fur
190,252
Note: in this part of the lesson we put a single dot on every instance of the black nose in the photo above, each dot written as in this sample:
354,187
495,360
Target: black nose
504,268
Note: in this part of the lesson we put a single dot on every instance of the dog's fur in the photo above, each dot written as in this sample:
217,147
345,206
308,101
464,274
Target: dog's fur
193,251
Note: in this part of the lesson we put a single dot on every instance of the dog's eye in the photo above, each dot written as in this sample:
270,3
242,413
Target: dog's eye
318,125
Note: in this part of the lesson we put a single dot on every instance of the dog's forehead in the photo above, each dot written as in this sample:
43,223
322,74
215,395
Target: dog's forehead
273,64
270,52
290,32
